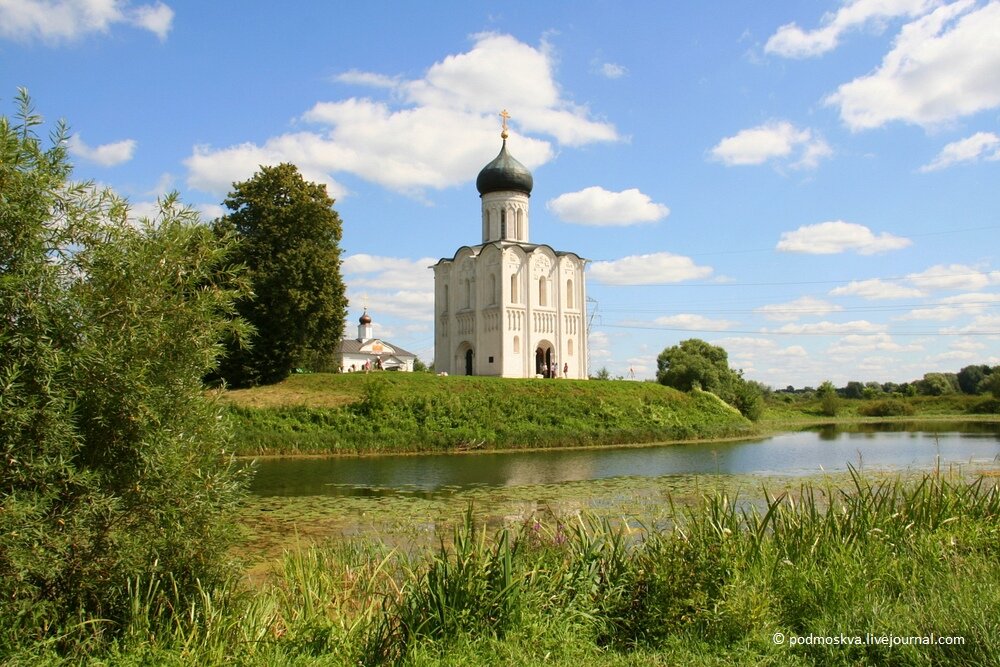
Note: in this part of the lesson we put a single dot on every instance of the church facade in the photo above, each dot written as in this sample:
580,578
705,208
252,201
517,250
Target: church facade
508,307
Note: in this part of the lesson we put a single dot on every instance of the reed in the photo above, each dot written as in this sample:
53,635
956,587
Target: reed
881,557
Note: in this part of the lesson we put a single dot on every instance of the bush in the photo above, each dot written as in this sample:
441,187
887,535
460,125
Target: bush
987,406
829,403
112,468
886,408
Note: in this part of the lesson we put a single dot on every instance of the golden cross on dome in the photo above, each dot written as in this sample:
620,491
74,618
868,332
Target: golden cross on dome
504,115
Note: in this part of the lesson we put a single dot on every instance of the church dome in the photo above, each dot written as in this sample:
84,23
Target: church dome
365,318
504,173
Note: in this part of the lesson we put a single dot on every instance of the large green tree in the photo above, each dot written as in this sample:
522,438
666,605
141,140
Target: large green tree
111,455
695,364
970,377
289,240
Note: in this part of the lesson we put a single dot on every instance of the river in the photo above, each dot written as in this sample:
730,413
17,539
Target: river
896,446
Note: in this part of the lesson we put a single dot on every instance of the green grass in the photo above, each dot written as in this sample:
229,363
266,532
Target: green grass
892,557
408,412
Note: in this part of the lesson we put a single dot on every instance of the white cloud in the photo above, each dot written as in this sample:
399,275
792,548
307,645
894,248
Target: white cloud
805,306
390,286
771,141
830,328
56,21
106,155
953,277
942,66
211,211
216,170
439,134
689,322
981,324
837,236
746,343
368,79
142,209
599,347
405,304
652,269
603,208
877,289
985,145
363,270
791,41
882,342
967,344
613,71
953,307
792,352
157,19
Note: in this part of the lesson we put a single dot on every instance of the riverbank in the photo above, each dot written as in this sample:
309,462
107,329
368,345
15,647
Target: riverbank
400,413
419,412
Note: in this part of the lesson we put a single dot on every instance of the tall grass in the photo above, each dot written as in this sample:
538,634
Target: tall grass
882,558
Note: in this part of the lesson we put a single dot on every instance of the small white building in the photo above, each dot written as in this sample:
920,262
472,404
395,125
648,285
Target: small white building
376,354
508,307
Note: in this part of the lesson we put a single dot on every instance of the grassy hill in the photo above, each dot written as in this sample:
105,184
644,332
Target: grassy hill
420,412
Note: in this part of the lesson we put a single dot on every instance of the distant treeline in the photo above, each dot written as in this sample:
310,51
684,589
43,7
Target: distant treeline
973,380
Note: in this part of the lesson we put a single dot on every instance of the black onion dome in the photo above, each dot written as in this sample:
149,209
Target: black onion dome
365,318
504,173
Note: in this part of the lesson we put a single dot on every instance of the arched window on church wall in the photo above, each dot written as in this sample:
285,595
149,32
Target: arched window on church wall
513,289
445,299
503,223
520,224
569,348
569,294
468,293
543,292
517,344
493,289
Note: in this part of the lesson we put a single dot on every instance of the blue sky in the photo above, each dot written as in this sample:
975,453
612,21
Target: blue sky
813,186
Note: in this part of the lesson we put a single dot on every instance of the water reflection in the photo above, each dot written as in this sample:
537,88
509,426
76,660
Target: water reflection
829,449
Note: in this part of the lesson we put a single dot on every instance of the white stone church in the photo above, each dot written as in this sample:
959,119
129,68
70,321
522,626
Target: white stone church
508,307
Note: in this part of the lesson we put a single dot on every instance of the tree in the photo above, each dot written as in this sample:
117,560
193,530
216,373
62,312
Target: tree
112,455
854,389
938,384
829,403
289,240
970,377
695,364
872,390
991,383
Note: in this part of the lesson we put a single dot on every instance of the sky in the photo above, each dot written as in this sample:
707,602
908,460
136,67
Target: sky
811,185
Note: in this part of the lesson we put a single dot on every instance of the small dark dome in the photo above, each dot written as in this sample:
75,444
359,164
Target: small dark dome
365,318
504,173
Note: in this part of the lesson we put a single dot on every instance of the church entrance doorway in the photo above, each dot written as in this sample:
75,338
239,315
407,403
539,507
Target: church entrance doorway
544,363
468,361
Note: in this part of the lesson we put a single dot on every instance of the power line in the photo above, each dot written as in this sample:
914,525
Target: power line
803,333
792,282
